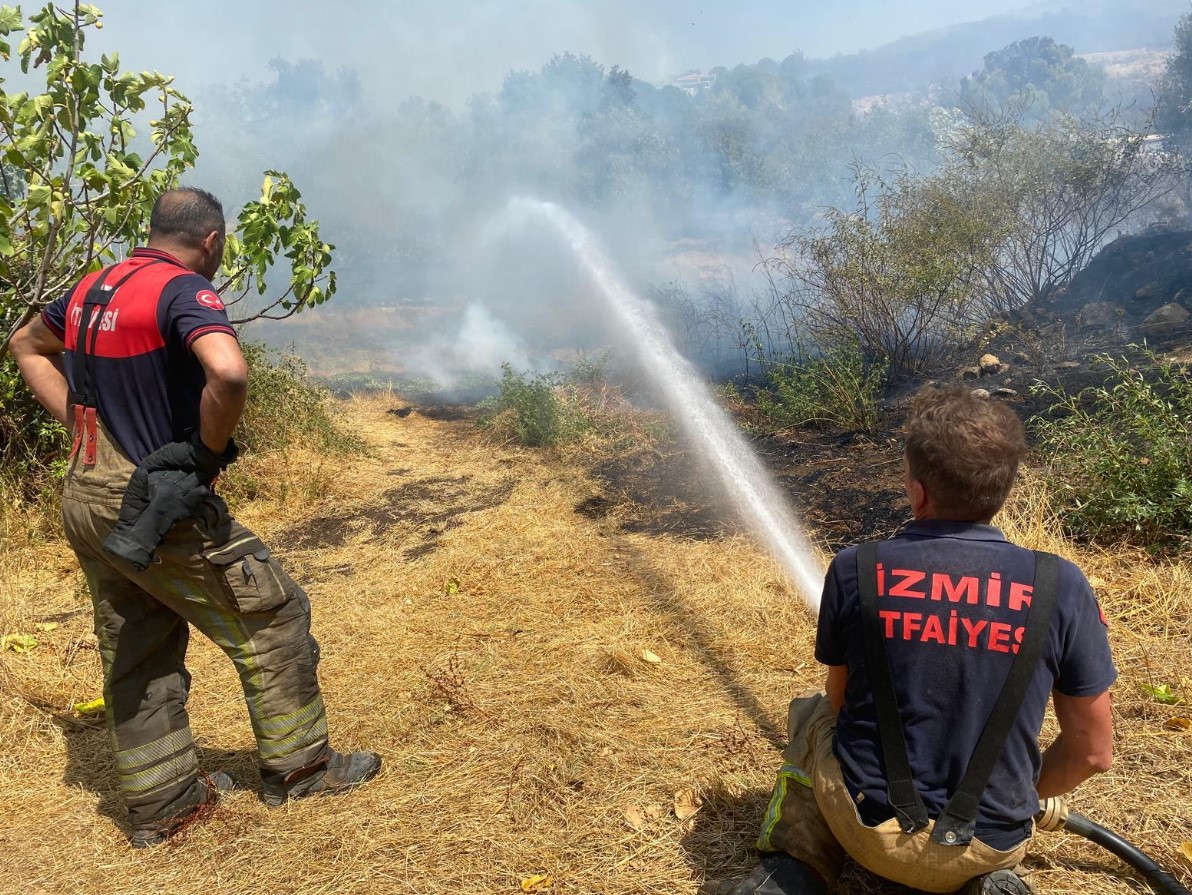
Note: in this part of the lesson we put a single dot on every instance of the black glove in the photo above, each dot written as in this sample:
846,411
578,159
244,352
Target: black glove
146,517
192,456
171,484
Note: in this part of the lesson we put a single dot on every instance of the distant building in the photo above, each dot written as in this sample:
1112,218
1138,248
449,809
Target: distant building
693,82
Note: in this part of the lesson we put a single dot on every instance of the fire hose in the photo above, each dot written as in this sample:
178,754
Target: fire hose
1054,815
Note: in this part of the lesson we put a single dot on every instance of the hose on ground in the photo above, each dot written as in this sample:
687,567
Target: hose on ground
1054,815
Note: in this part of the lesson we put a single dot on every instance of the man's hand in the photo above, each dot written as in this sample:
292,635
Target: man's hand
190,456
223,397
38,354
1084,746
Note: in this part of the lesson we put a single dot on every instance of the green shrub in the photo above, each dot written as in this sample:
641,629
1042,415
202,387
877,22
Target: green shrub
590,371
537,409
285,407
1120,455
836,388
33,445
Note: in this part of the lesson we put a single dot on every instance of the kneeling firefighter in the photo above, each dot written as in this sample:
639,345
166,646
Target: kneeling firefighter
942,645
140,359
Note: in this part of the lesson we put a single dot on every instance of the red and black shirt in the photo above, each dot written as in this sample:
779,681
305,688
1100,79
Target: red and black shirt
146,382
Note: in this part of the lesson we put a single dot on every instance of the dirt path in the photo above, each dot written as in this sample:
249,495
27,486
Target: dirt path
487,639
540,682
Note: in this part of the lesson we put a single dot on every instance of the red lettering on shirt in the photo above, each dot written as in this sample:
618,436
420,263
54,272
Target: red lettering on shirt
974,630
965,589
993,590
908,577
999,637
933,630
1020,595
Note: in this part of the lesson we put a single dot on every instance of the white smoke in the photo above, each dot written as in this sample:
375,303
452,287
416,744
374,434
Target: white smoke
480,346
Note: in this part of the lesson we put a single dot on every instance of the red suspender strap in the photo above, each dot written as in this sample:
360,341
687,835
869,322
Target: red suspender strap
96,299
76,412
89,436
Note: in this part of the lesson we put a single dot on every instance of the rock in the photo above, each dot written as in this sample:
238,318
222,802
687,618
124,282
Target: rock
981,392
970,372
1005,393
990,365
1100,315
1165,321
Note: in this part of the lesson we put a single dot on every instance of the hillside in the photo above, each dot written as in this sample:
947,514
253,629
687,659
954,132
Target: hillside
945,55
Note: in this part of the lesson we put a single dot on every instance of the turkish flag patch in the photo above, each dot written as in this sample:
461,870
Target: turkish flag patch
209,299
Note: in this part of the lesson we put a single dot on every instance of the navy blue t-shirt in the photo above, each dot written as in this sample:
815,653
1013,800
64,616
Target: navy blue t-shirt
953,600
147,381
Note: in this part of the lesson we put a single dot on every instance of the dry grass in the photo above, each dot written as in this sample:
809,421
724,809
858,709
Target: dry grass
488,641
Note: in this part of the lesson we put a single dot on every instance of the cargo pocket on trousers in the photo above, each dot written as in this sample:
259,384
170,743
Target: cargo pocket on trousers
247,575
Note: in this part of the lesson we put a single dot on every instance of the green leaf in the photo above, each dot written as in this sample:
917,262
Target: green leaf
18,643
38,196
91,707
10,19
1162,693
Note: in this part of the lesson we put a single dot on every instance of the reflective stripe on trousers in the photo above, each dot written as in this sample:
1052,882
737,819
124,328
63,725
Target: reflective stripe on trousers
262,622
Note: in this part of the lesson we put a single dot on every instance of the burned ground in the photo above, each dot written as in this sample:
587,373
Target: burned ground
846,488
420,512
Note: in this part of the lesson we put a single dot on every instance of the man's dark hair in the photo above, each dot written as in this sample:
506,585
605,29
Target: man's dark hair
965,450
186,215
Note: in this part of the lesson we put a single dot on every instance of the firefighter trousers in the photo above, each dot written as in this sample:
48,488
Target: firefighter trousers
225,583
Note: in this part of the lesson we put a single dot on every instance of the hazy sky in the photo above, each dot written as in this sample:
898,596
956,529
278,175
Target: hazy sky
448,50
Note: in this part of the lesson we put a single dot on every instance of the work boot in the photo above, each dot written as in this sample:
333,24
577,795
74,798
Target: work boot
331,775
210,786
1000,882
780,874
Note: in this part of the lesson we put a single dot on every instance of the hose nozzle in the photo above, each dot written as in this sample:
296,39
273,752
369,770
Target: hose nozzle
1052,816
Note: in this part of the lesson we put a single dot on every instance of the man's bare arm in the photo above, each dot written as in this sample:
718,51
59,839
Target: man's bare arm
39,357
223,397
1084,746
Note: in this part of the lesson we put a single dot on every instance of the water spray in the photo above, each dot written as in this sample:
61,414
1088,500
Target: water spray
760,503
1054,815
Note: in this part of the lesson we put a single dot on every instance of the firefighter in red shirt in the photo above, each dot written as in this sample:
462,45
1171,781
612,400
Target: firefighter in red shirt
141,362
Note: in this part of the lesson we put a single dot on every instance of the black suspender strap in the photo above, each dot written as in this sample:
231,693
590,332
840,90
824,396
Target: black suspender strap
84,397
94,303
900,784
959,820
956,825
